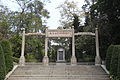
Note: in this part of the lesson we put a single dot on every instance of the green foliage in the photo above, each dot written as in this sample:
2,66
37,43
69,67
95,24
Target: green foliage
118,70
8,54
3,29
16,60
60,43
115,78
85,48
34,47
30,58
104,14
16,41
76,24
31,16
2,64
109,56
4,23
67,11
114,61
86,58
71,16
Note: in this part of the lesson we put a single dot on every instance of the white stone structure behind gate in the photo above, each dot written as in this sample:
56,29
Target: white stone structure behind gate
60,55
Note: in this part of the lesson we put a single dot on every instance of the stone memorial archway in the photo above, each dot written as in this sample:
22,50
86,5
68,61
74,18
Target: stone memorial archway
60,33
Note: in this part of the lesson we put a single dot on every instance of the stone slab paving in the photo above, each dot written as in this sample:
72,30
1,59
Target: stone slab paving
59,72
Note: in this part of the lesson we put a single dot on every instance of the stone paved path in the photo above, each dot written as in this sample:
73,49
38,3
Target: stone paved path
59,72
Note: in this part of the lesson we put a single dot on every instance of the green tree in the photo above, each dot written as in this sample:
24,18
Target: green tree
71,16
85,48
4,22
16,42
2,64
31,16
68,11
76,23
34,47
8,54
105,14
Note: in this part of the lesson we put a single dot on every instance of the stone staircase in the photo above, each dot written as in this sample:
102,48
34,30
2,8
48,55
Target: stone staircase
59,72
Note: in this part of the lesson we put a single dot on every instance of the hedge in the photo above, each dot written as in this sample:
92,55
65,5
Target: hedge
118,71
108,56
2,64
8,54
114,61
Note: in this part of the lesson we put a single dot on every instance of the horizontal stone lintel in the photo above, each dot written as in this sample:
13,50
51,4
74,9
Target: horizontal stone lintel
28,34
85,33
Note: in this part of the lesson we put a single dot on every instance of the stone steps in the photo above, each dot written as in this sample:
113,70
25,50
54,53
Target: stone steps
59,72
58,78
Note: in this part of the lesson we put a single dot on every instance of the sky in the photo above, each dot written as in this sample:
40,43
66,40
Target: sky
53,21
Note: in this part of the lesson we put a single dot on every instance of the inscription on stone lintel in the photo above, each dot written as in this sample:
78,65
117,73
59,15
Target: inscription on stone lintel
59,33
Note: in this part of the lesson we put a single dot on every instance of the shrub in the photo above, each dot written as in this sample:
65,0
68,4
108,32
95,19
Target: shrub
114,61
118,71
8,54
16,60
2,65
108,56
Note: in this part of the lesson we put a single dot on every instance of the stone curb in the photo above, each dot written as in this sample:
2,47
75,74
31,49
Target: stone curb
8,75
104,67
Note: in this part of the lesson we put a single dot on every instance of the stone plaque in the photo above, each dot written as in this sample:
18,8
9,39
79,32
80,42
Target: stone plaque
59,33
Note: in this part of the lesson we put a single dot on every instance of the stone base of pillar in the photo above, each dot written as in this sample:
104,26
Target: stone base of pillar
97,61
73,60
45,60
22,61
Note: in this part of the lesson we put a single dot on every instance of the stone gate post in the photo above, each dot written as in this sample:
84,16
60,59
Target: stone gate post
22,57
73,58
46,59
97,58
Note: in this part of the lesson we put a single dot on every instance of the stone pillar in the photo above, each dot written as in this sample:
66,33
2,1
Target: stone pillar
73,58
22,57
97,58
46,59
